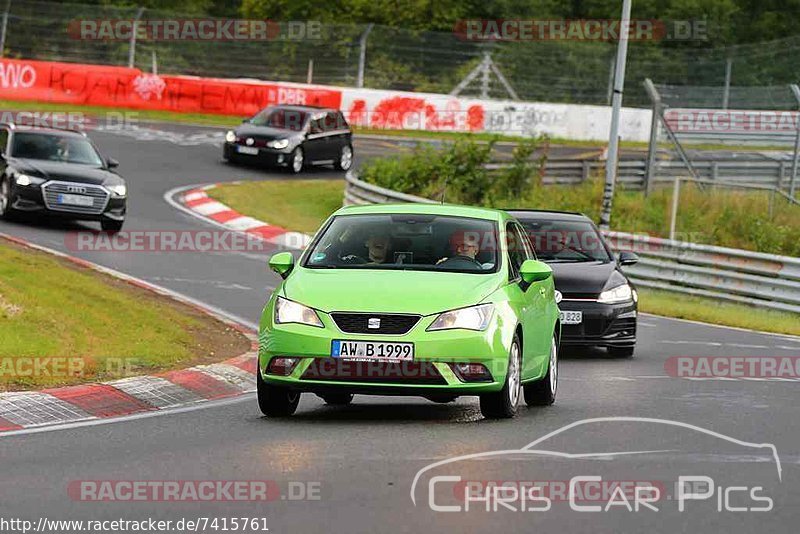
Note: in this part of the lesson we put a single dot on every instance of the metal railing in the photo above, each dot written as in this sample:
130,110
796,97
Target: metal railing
720,273
757,171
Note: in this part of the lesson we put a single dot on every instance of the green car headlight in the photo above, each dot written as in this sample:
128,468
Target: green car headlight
472,318
287,311
616,295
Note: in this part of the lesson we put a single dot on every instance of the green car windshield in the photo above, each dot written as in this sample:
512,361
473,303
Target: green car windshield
410,242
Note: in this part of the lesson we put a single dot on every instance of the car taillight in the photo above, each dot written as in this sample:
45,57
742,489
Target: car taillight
471,372
282,366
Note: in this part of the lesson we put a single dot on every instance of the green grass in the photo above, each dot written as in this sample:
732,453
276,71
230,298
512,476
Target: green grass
50,308
710,311
298,205
305,204
718,216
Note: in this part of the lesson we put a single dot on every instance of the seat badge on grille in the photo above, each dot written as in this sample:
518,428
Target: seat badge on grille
374,323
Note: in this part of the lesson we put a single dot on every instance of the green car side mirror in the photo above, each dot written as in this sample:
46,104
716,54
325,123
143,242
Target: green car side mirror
282,263
534,271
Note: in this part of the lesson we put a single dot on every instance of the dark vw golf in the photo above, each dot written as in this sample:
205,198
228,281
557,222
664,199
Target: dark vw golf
58,172
598,303
292,137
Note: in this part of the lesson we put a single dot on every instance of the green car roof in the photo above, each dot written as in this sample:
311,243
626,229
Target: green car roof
454,210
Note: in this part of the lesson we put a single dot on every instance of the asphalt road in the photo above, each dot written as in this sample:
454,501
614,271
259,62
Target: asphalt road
359,462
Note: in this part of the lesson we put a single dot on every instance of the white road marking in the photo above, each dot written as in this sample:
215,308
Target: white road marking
210,208
243,223
202,405
216,283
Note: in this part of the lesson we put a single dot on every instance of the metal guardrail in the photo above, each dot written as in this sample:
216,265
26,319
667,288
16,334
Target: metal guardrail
725,274
760,171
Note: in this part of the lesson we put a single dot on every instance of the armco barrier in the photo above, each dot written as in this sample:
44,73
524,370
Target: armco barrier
122,87
725,274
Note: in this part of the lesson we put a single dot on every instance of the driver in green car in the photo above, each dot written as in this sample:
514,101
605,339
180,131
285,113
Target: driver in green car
378,247
465,245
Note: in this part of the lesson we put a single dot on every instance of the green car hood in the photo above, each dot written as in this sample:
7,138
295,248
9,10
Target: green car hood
372,290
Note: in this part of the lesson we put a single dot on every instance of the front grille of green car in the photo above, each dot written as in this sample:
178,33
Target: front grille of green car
364,323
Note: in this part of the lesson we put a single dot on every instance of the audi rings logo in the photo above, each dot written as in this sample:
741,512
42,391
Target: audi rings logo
76,189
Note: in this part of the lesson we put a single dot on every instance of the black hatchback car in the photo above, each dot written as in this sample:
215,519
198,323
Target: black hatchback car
292,137
598,303
57,172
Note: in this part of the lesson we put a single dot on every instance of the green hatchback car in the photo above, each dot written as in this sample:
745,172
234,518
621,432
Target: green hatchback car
437,301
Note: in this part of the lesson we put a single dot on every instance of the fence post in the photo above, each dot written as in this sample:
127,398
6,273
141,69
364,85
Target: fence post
726,94
132,45
610,91
362,55
4,28
310,74
652,148
796,159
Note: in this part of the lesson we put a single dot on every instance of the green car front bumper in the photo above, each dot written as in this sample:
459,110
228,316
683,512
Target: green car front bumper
429,374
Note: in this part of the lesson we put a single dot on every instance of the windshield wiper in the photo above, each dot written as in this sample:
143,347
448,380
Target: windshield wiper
576,250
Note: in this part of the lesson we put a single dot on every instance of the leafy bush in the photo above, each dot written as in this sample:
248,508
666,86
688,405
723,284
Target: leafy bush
723,217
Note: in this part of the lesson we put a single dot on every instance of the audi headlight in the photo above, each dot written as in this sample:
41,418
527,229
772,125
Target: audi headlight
622,293
287,311
230,136
472,318
278,143
24,179
119,190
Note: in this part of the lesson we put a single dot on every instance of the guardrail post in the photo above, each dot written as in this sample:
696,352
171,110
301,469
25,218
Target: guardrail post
652,147
676,193
586,170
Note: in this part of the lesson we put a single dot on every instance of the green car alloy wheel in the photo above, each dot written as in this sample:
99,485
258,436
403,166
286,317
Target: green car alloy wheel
412,299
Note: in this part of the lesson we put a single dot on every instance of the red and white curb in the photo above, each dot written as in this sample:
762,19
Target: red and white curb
196,201
25,410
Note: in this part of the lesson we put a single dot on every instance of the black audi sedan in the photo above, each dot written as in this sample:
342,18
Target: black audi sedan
61,173
598,302
292,137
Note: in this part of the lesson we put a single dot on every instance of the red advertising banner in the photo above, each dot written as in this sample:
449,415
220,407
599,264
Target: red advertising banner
98,85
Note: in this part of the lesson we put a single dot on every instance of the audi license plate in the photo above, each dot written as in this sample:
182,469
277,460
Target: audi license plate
372,351
75,200
253,151
571,317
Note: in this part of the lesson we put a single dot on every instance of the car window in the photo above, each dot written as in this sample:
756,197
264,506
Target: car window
330,124
516,250
3,140
530,253
416,242
341,121
281,118
316,126
566,241
34,145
